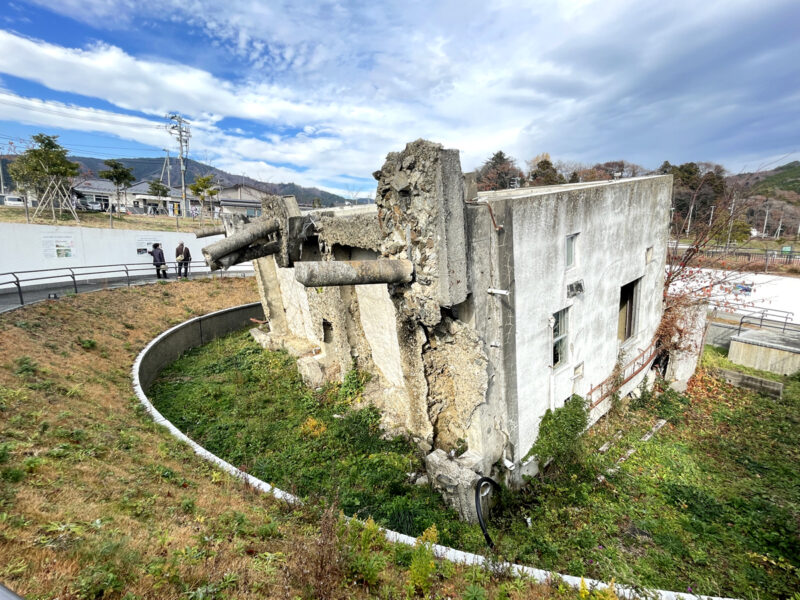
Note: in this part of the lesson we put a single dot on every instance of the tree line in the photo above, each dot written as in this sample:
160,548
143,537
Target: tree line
45,162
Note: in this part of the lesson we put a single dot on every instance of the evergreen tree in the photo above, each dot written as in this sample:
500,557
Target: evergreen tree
498,173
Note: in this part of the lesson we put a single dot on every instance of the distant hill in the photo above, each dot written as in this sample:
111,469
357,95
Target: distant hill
150,168
145,169
784,178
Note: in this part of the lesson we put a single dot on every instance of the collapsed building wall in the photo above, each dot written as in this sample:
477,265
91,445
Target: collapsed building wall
449,301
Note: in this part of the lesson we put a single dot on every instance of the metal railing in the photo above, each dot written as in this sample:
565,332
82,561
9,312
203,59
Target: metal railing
763,322
92,274
602,391
767,257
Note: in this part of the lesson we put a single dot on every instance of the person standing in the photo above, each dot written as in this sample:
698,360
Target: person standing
183,257
158,261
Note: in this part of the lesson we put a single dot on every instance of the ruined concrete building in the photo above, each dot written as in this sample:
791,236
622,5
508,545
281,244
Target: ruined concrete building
475,312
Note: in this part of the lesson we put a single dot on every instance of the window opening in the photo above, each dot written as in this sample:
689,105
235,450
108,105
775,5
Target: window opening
327,332
560,330
571,239
627,310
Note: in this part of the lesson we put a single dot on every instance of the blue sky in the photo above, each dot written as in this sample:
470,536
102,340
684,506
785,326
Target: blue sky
317,93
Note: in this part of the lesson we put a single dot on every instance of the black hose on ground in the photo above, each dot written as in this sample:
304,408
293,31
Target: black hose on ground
479,510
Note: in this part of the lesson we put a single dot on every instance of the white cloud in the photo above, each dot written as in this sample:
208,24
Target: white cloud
585,80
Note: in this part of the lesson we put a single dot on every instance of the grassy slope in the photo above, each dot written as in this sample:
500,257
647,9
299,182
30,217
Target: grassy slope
96,501
786,177
10,214
710,505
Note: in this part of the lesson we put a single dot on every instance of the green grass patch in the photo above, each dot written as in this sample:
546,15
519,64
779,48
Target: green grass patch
252,408
710,505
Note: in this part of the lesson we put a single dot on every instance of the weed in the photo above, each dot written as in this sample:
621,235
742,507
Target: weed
32,463
27,325
313,428
319,560
423,566
353,386
87,343
13,569
12,475
26,367
97,581
474,592
4,452
268,530
188,506
9,396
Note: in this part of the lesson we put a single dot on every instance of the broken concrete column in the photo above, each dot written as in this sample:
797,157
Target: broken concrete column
285,210
353,272
421,214
253,233
455,482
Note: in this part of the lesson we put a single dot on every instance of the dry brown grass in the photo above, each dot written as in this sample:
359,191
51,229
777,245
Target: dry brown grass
12,214
96,501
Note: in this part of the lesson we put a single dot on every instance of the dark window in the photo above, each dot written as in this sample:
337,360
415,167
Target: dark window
560,329
627,310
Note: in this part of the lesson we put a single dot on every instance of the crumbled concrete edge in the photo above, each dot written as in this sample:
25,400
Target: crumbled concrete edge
444,552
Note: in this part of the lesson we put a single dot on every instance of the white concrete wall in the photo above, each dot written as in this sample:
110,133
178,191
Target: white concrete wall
616,223
26,247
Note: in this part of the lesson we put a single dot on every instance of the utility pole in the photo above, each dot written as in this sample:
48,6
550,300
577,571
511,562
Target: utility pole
180,129
778,231
2,181
167,167
764,230
730,221
711,218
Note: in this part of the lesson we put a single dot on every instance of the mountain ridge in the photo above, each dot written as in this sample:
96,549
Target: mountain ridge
146,169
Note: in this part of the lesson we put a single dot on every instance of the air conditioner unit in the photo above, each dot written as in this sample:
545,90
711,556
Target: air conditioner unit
574,288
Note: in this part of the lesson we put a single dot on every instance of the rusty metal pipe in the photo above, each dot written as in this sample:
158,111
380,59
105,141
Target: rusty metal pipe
353,272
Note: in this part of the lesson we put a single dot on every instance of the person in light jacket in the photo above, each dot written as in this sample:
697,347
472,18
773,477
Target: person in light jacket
183,257
158,261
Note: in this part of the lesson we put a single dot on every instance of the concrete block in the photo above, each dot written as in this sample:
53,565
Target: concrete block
766,387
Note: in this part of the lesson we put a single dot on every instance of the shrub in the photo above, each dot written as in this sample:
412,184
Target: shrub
560,433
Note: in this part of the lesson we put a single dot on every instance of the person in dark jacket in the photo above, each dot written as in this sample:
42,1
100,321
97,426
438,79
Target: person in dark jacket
183,257
158,261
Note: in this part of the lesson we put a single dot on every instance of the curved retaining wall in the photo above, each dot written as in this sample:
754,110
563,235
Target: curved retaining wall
171,344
